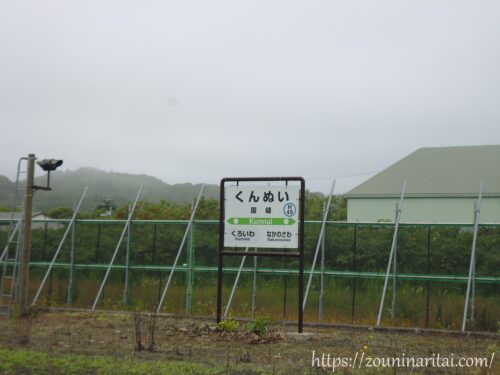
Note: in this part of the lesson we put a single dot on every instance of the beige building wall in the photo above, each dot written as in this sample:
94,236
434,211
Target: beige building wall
422,210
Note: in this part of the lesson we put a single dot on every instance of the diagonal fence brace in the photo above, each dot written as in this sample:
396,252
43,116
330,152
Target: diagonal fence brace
180,250
321,234
56,254
127,224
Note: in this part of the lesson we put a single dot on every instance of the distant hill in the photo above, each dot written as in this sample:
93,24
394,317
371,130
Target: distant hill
121,187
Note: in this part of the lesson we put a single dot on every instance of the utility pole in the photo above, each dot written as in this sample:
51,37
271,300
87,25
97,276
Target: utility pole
47,165
25,258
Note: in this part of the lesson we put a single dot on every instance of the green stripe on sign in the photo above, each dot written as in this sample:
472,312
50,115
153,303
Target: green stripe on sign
260,221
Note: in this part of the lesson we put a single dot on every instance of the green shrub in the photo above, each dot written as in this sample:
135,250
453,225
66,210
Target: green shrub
228,325
258,326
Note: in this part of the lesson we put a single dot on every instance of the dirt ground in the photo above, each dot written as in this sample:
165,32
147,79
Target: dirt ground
198,340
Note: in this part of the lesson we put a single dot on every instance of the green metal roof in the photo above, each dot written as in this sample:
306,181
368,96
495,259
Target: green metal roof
437,172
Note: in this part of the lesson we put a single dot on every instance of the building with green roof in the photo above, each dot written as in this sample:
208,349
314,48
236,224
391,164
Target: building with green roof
442,184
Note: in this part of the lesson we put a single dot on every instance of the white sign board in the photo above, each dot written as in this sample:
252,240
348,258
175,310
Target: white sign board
261,216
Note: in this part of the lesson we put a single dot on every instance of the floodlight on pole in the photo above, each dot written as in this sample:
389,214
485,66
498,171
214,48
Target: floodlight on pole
48,165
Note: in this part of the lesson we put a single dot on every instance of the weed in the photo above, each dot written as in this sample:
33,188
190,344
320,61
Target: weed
258,326
148,324
491,350
228,325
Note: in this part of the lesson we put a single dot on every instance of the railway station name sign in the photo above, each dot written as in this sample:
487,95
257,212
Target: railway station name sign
261,216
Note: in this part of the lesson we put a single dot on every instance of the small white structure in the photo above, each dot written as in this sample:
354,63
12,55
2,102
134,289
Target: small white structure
39,221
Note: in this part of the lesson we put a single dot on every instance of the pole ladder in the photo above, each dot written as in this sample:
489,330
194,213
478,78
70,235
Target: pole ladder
9,258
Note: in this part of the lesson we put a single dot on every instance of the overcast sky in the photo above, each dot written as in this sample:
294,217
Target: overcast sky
193,91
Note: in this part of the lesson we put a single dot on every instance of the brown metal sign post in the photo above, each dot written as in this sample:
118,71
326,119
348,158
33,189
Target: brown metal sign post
264,235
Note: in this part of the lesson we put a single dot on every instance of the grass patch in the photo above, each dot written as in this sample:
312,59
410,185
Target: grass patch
23,361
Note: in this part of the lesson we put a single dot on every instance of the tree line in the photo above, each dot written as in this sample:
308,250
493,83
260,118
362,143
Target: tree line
435,250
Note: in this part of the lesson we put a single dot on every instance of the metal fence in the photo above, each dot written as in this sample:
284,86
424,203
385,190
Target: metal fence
432,273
